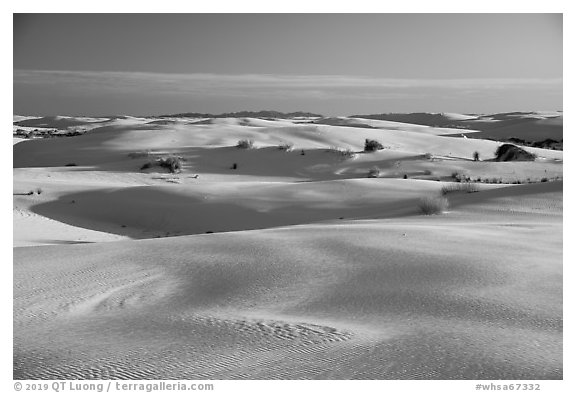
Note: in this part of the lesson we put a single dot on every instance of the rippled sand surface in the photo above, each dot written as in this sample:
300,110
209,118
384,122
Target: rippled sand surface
431,298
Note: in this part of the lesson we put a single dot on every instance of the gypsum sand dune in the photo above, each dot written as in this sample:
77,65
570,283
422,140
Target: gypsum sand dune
420,297
474,293
106,143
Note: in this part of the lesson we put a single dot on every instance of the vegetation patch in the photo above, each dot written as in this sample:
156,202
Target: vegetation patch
374,172
433,205
172,163
509,152
346,153
371,145
465,187
245,144
286,146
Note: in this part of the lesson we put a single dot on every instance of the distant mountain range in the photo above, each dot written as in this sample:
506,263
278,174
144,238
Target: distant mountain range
258,114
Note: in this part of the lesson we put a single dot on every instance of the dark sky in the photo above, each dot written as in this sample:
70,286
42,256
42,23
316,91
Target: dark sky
330,63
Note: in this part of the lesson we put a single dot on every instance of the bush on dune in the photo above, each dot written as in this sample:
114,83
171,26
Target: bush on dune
465,187
509,152
346,153
433,205
374,172
286,146
174,164
371,145
245,144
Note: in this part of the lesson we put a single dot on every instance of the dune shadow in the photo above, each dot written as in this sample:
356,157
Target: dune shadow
147,212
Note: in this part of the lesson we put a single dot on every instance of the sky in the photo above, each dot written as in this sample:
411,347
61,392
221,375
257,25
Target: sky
333,64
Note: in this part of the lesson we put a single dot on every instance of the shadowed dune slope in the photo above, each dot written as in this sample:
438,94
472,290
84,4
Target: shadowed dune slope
165,210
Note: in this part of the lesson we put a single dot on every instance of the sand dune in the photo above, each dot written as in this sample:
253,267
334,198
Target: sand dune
447,300
530,126
389,125
59,122
529,129
294,265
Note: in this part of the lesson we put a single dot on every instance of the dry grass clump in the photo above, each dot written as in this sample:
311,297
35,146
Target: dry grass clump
172,163
346,153
287,147
465,187
460,177
374,172
245,144
433,205
371,145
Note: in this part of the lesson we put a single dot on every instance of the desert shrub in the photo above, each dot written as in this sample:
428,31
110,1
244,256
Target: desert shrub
509,152
174,164
476,156
346,153
544,180
39,191
460,177
405,177
245,144
428,156
372,145
433,205
465,187
286,146
71,164
146,166
374,172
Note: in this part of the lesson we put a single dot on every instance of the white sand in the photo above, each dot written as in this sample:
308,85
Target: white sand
313,269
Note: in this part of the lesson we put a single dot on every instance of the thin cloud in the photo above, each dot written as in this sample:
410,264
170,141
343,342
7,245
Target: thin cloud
265,85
